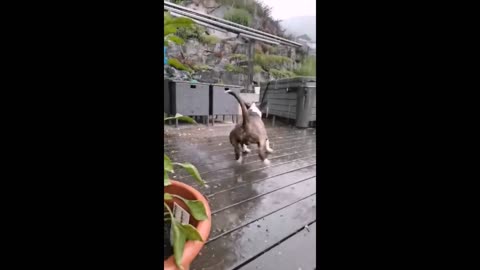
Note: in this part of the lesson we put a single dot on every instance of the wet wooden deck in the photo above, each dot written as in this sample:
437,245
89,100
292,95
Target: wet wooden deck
263,217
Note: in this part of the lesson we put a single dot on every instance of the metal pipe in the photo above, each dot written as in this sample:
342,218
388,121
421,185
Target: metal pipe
231,24
259,39
219,24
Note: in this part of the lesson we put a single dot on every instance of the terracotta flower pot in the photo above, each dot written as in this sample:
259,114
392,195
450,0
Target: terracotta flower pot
192,248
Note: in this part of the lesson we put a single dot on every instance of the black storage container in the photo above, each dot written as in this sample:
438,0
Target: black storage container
292,98
221,103
188,98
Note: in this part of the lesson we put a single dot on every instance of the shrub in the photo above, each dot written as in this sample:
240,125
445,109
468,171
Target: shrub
201,67
308,67
257,69
238,57
195,32
249,5
178,65
234,69
269,61
209,39
240,16
281,73
171,26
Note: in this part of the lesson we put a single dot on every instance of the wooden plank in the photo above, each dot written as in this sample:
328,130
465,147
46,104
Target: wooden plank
301,246
234,249
225,150
241,193
247,212
240,174
181,140
213,164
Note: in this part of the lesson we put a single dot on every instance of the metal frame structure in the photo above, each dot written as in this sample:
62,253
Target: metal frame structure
250,34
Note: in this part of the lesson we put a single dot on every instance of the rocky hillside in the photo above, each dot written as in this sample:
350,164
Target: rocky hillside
208,55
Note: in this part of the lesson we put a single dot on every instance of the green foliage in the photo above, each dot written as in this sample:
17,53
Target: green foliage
240,16
249,5
192,32
209,39
173,38
170,27
307,68
257,69
281,73
201,67
171,24
238,57
182,232
234,69
269,61
178,65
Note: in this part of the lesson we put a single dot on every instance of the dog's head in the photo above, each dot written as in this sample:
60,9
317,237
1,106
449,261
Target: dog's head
252,107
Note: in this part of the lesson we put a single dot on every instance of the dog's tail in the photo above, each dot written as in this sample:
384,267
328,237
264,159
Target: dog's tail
245,118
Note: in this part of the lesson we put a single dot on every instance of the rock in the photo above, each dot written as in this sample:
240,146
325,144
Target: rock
208,76
175,74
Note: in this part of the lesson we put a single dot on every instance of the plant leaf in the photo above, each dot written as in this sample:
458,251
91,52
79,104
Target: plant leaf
192,170
191,232
167,196
169,29
197,209
167,164
176,39
181,118
166,180
179,239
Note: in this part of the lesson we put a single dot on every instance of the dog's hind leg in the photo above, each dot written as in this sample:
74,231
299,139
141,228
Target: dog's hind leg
269,150
262,153
245,149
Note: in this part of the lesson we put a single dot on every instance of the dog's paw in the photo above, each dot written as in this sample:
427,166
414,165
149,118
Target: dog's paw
239,160
269,150
266,162
246,150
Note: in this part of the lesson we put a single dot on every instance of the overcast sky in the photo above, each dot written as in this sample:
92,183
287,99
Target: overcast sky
284,9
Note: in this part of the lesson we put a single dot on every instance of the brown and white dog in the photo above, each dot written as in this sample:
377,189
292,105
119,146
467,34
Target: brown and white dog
252,130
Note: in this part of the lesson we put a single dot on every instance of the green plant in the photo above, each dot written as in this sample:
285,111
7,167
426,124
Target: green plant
308,67
201,67
195,31
209,39
269,61
234,69
240,16
238,57
178,65
170,27
257,69
182,232
249,5
281,73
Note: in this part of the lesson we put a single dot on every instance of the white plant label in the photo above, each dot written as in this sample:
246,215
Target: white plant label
180,214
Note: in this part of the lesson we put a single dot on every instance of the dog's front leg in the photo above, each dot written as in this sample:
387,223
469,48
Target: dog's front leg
238,152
